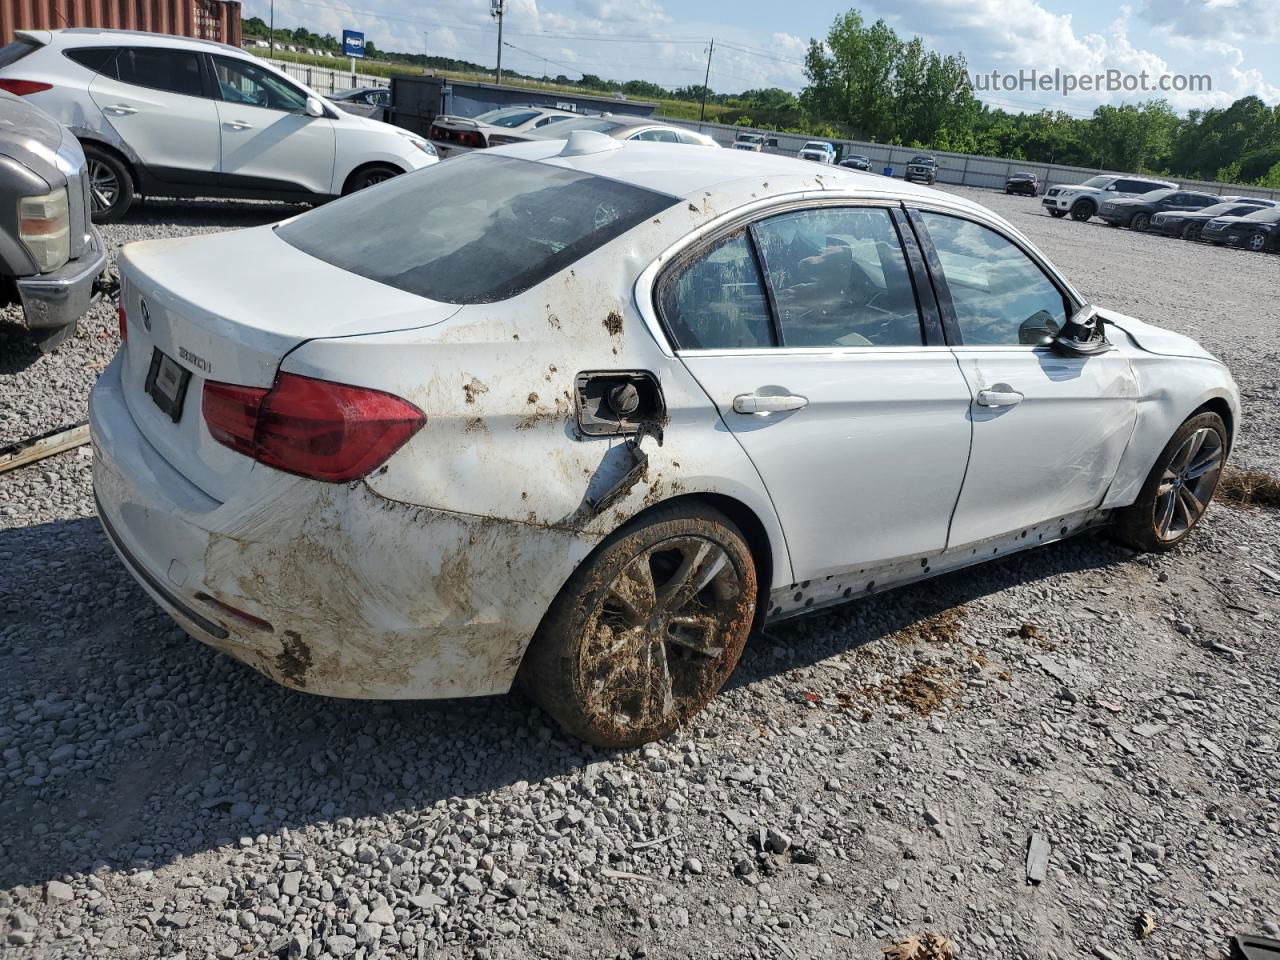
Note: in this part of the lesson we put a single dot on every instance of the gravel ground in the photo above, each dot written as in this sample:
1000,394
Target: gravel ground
872,772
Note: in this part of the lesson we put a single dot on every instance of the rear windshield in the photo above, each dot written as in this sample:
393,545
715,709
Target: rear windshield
13,52
1266,215
475,229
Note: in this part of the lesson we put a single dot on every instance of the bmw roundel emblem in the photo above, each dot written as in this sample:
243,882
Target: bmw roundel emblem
146,315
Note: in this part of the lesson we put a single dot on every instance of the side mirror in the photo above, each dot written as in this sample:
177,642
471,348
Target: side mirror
1083,335
1038,330
314,107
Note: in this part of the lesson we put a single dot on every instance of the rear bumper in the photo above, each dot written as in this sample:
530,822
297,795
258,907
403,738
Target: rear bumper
353,595
59,299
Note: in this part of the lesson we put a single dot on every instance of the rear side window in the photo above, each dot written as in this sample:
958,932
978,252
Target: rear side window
1001,295
11,53
91,58
717,301
175,71
839,279
477,229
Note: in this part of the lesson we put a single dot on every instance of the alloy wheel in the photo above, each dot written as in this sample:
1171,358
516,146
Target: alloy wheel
1188,483
1257,242
659,631
1139,222
104,187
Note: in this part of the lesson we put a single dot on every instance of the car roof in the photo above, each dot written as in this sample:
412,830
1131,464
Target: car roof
709,175
96,37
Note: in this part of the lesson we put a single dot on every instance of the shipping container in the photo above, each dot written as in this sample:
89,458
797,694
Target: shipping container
204,19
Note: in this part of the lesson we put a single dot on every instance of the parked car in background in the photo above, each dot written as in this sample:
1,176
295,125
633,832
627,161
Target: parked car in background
363,101
1084,200
494,128
817,150
1188,224
922,169
526,416
1027,183
752,142
856,162
175,117
1136,212
51,256
1258,231
629,128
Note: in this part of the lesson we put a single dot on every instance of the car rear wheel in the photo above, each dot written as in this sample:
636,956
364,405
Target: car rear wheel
1140,222
110,184
1257,242
1082,210
1058,214
647,630
1179,487
1191,231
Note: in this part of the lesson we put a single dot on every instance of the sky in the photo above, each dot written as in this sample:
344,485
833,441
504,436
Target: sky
761,43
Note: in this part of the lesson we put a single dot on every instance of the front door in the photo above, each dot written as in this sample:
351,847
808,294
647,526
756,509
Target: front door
818,365
268,140
1048,430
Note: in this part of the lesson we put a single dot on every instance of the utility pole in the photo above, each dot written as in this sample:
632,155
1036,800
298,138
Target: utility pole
271,30
702,113
495,10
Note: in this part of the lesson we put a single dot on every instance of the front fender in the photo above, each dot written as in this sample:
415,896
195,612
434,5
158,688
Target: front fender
1170,390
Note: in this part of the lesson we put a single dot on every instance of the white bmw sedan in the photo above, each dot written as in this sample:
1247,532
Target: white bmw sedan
582,414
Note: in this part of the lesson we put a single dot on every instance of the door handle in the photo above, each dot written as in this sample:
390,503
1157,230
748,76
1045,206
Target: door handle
120,109
757,403
1002,395
238,125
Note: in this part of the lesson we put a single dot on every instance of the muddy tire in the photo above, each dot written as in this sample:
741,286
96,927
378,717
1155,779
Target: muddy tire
647,630
1179,487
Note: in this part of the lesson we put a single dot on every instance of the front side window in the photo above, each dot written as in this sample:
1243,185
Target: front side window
242,82
718,301
1001,295
175,71
839,279
477,229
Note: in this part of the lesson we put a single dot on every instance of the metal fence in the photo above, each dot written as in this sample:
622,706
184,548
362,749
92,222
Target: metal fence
961,169
325,80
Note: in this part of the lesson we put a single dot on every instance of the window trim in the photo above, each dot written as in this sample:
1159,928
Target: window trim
211,73
931,335
946,305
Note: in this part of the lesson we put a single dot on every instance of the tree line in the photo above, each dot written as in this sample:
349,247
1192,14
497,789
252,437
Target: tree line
865,82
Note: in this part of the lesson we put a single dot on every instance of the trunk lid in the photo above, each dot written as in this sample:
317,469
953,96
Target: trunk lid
229,307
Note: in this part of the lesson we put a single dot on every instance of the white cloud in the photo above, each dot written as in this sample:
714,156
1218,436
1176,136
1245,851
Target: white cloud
1010,35
1208,19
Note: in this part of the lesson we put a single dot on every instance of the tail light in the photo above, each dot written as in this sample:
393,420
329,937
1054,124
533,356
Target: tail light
124,323
313,428
20,88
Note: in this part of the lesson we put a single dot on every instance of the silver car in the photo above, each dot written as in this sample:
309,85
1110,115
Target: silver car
51,256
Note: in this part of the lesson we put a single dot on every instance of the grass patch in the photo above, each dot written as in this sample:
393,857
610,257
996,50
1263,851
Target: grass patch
1250,488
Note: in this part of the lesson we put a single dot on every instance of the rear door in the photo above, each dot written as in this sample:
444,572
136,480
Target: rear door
268,140
1048,429
837,386
156,99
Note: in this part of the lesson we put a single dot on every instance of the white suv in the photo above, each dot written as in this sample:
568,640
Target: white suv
1084,200
170,116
